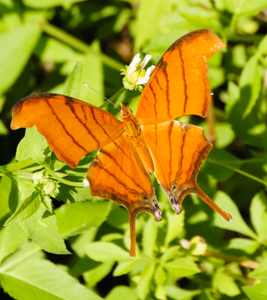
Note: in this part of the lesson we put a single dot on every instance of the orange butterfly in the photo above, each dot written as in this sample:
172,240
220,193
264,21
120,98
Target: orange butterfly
149,142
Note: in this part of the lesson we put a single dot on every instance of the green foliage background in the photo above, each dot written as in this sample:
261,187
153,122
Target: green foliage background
78,247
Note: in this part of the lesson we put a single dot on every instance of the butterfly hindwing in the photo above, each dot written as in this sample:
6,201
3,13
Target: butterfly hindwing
178,150
117,173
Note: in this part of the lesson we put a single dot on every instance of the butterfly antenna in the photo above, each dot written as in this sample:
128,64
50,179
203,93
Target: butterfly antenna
101,95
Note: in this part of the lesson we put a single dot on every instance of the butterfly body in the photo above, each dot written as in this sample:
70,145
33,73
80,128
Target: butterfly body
149,142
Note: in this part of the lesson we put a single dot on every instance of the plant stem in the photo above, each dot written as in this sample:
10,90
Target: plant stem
78,44
238,171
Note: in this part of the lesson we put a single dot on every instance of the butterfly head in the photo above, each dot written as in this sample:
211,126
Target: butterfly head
125,112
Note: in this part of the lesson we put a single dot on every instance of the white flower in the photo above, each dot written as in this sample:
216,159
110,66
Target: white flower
145,79
135,74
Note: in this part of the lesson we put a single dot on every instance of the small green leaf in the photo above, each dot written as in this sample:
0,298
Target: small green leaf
124,267
250,85
39,279
160,275
175,227
77,217
237,224
26,208
105,252
258,209
261,271
178,293
19,44
149,237
246,245
34,143
73,82
122,293
181,267
225,284
143,287
93,276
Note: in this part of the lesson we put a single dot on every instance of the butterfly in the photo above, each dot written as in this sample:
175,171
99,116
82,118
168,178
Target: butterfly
152,141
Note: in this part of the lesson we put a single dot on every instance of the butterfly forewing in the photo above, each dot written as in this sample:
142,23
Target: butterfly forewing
179,85
72,127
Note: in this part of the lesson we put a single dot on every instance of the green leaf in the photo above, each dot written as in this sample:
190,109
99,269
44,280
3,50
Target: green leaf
178,293
73,82
175,227
42,229
105,252
34,144
93,276
147,18
143,287
256,292
261,271
225,284
246,245
237,224
262,48
124,267
149,237
11,237
181,267
77,217
5,191
19,44
122,293
248,7
258,209
250,85
26,208
160,275
40,279
50,3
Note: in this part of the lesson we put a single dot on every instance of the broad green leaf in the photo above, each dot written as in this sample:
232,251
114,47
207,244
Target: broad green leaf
261,271
258,208
225,284
26,208
149,237
144,284
256,292
181,267
73,83
40,279
19,44
34,143
180,294
11,237
42,229
77,217
124,267
147,18
250,85
93,276
105,252
175,226
22,151
237,224
122,293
